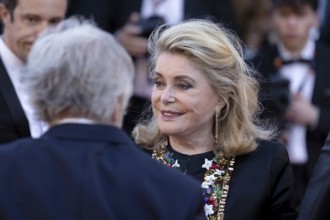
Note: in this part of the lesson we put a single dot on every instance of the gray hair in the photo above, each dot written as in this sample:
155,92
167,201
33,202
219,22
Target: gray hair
78,69
218,54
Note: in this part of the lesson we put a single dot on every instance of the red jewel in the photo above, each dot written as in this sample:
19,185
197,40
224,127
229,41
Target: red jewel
212,201
215,166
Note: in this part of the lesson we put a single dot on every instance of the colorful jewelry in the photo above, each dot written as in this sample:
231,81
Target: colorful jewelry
215,186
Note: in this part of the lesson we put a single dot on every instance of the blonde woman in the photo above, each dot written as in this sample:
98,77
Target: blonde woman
204,124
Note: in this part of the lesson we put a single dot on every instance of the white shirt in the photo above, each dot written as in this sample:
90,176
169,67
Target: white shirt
14,67
302,78
170,10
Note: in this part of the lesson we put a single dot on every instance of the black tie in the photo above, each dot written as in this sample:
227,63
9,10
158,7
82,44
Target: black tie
300,60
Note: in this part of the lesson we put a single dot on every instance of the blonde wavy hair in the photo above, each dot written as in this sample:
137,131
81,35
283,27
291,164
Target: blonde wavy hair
219,55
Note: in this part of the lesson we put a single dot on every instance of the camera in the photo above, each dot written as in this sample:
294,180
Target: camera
149,24
275,96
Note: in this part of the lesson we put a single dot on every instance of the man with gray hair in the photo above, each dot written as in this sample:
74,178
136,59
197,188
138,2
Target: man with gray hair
84,167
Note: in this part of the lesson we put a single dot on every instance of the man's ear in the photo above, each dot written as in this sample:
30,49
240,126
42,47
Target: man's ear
118,112
4,14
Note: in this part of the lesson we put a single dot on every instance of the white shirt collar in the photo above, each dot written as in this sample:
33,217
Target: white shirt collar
306,53
76,120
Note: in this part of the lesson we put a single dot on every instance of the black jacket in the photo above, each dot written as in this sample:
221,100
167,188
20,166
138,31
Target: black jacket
79,171
315,204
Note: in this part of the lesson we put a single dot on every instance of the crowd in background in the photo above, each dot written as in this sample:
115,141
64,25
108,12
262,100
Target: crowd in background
285,43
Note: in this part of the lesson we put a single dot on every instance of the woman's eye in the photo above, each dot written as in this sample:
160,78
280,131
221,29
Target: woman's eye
158,83
184,86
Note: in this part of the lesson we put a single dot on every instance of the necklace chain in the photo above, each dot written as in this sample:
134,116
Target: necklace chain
216,179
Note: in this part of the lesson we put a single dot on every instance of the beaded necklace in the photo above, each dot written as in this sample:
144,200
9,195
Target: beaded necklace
216,179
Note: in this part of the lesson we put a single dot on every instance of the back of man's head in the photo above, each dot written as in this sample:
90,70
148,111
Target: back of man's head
78,70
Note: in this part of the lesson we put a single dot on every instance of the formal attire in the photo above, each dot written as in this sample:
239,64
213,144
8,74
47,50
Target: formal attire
90,171
316,85
111,15
17,116
13,121
261,185
315,204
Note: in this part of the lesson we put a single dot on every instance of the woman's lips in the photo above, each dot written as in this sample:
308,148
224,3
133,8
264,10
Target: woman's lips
168,115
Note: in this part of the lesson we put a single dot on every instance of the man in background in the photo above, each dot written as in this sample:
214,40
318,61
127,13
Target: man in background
303,103
22,20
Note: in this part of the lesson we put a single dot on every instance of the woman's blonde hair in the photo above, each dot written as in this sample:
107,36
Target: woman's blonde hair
218,54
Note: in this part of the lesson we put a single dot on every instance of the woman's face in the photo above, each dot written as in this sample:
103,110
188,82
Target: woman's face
183,101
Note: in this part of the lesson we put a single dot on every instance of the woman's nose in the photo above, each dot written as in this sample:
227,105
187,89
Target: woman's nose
168,95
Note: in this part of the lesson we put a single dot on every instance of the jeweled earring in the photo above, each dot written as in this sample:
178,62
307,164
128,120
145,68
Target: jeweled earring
216,125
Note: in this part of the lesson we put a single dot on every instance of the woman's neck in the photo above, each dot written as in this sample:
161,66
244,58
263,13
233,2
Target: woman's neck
191,146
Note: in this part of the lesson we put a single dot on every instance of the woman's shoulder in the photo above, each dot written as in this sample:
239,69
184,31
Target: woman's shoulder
273,147
268,151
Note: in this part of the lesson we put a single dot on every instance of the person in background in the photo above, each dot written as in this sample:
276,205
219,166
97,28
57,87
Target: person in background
324,14
253,21
204,124
22,20
315,203
301,102
132,22
84,167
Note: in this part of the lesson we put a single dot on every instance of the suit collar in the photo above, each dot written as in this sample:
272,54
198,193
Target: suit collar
87,132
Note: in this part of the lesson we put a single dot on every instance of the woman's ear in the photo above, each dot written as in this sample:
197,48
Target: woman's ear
219,106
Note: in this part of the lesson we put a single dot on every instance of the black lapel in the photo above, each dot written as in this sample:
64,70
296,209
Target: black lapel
13,103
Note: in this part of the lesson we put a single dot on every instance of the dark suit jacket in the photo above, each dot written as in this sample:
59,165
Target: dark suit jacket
79,171
315,204
262,186
321,94
13,122
111,15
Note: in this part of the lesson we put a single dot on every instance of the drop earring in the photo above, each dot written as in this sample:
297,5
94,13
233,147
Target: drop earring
216,126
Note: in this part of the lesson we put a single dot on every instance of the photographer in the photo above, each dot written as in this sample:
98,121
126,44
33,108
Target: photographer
303,119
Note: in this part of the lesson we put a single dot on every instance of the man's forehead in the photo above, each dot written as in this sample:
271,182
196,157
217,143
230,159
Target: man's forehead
301,9
51,7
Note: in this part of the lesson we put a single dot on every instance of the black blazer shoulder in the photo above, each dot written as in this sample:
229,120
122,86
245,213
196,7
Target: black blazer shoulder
262,185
